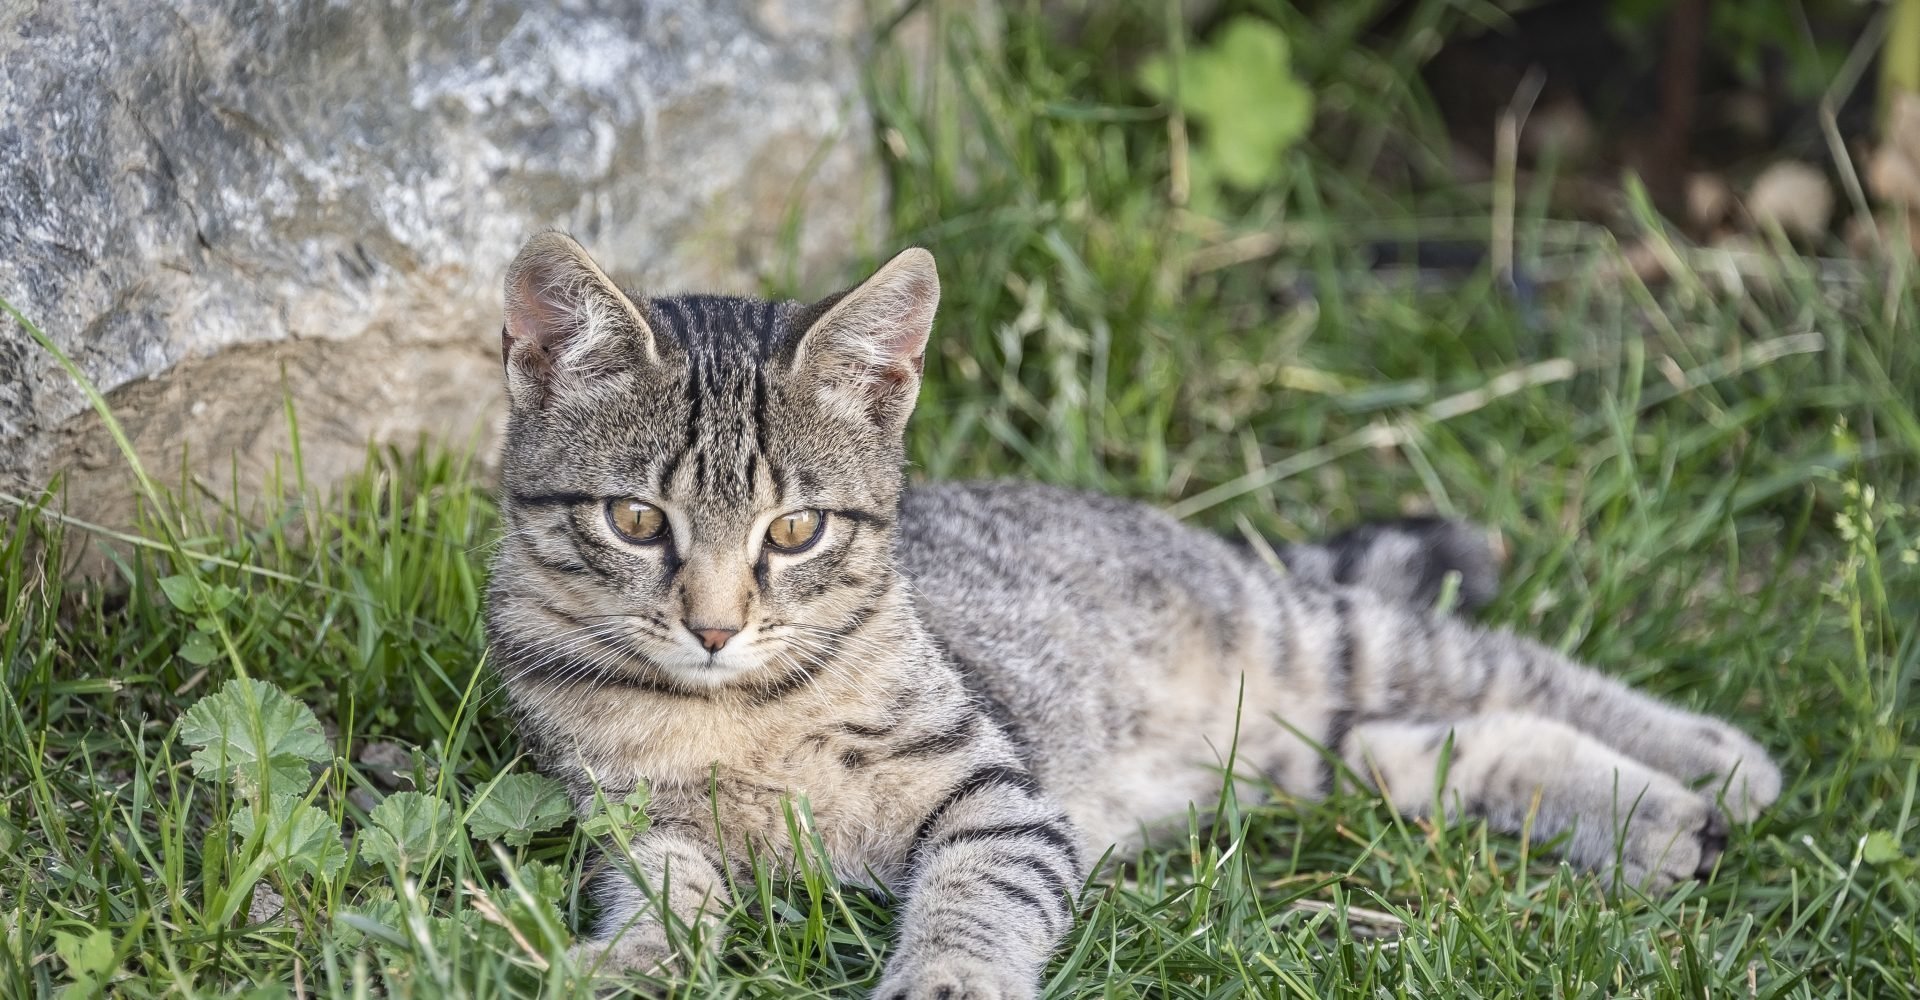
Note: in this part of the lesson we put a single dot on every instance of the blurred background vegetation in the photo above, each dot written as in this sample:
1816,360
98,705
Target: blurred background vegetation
1156,215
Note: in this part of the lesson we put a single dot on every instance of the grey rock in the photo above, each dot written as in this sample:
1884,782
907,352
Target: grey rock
213,205
365,800
387,762
267,908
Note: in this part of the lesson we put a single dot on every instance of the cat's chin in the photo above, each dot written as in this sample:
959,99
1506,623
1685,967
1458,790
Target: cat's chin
700,672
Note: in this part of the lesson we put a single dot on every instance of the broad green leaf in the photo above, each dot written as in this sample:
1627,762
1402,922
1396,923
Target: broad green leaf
378,916
182,592
199,649
1242,91
406,829
545,881
517,806
625,817
89,961
1880,848
466,929
301,837
216,598
254,732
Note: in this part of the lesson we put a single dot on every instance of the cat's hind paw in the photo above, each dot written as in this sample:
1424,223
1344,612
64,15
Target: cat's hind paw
1753,785
1669,840
1736,771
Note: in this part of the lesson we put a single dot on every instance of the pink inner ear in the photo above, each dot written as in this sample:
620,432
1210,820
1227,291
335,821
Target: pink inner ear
532,314
906,337
906,343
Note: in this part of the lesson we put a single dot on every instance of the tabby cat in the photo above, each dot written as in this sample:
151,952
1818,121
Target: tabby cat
714,582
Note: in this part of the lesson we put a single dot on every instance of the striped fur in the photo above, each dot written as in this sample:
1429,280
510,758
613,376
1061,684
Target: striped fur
978,689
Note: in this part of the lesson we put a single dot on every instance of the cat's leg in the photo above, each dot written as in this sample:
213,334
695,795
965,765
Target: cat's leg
1406,560
994,869
1636,824
666,865
1388,660
1701,751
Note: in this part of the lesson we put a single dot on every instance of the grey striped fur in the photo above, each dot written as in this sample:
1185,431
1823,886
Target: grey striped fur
979,689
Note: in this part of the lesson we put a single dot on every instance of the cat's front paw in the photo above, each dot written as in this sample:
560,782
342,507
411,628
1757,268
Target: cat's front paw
954,976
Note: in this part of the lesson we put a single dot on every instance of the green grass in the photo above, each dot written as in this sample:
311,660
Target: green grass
1704,492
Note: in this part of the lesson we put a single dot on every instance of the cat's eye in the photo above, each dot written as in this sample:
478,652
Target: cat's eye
794,530
636,521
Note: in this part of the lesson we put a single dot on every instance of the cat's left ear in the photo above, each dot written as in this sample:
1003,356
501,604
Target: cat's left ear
867,351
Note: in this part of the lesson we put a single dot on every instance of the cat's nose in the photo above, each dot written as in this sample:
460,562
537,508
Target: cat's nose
713,638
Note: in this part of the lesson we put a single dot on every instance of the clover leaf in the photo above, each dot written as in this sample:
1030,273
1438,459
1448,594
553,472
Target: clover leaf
1242,91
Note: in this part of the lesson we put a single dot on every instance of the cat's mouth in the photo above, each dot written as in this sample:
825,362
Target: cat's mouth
647,650
691,666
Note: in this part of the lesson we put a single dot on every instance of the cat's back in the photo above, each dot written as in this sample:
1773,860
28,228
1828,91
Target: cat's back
1036,553
1100,626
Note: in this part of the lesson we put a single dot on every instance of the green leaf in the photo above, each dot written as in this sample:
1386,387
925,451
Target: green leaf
182,592
545,881
406,826
199,649
376,916
301,837
625,818
252,732
1242,91
216,598
89,961
1156,78
1881,847
466,929
517,806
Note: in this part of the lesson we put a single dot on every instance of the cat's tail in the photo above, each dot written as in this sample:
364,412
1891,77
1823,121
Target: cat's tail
1406,560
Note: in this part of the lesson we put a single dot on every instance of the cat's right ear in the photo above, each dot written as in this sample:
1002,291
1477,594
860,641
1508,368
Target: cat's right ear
566,322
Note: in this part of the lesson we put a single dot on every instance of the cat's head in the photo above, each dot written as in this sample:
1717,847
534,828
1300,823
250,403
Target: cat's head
699,491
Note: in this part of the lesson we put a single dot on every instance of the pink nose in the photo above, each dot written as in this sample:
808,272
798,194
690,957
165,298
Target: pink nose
714,638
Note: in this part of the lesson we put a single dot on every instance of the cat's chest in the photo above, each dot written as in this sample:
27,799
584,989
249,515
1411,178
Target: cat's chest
769,777
786,799
752,759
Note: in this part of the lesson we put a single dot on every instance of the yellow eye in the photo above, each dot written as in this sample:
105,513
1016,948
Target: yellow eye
636,520
794,531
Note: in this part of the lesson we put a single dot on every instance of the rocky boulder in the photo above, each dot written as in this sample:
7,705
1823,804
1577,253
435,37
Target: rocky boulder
216,205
